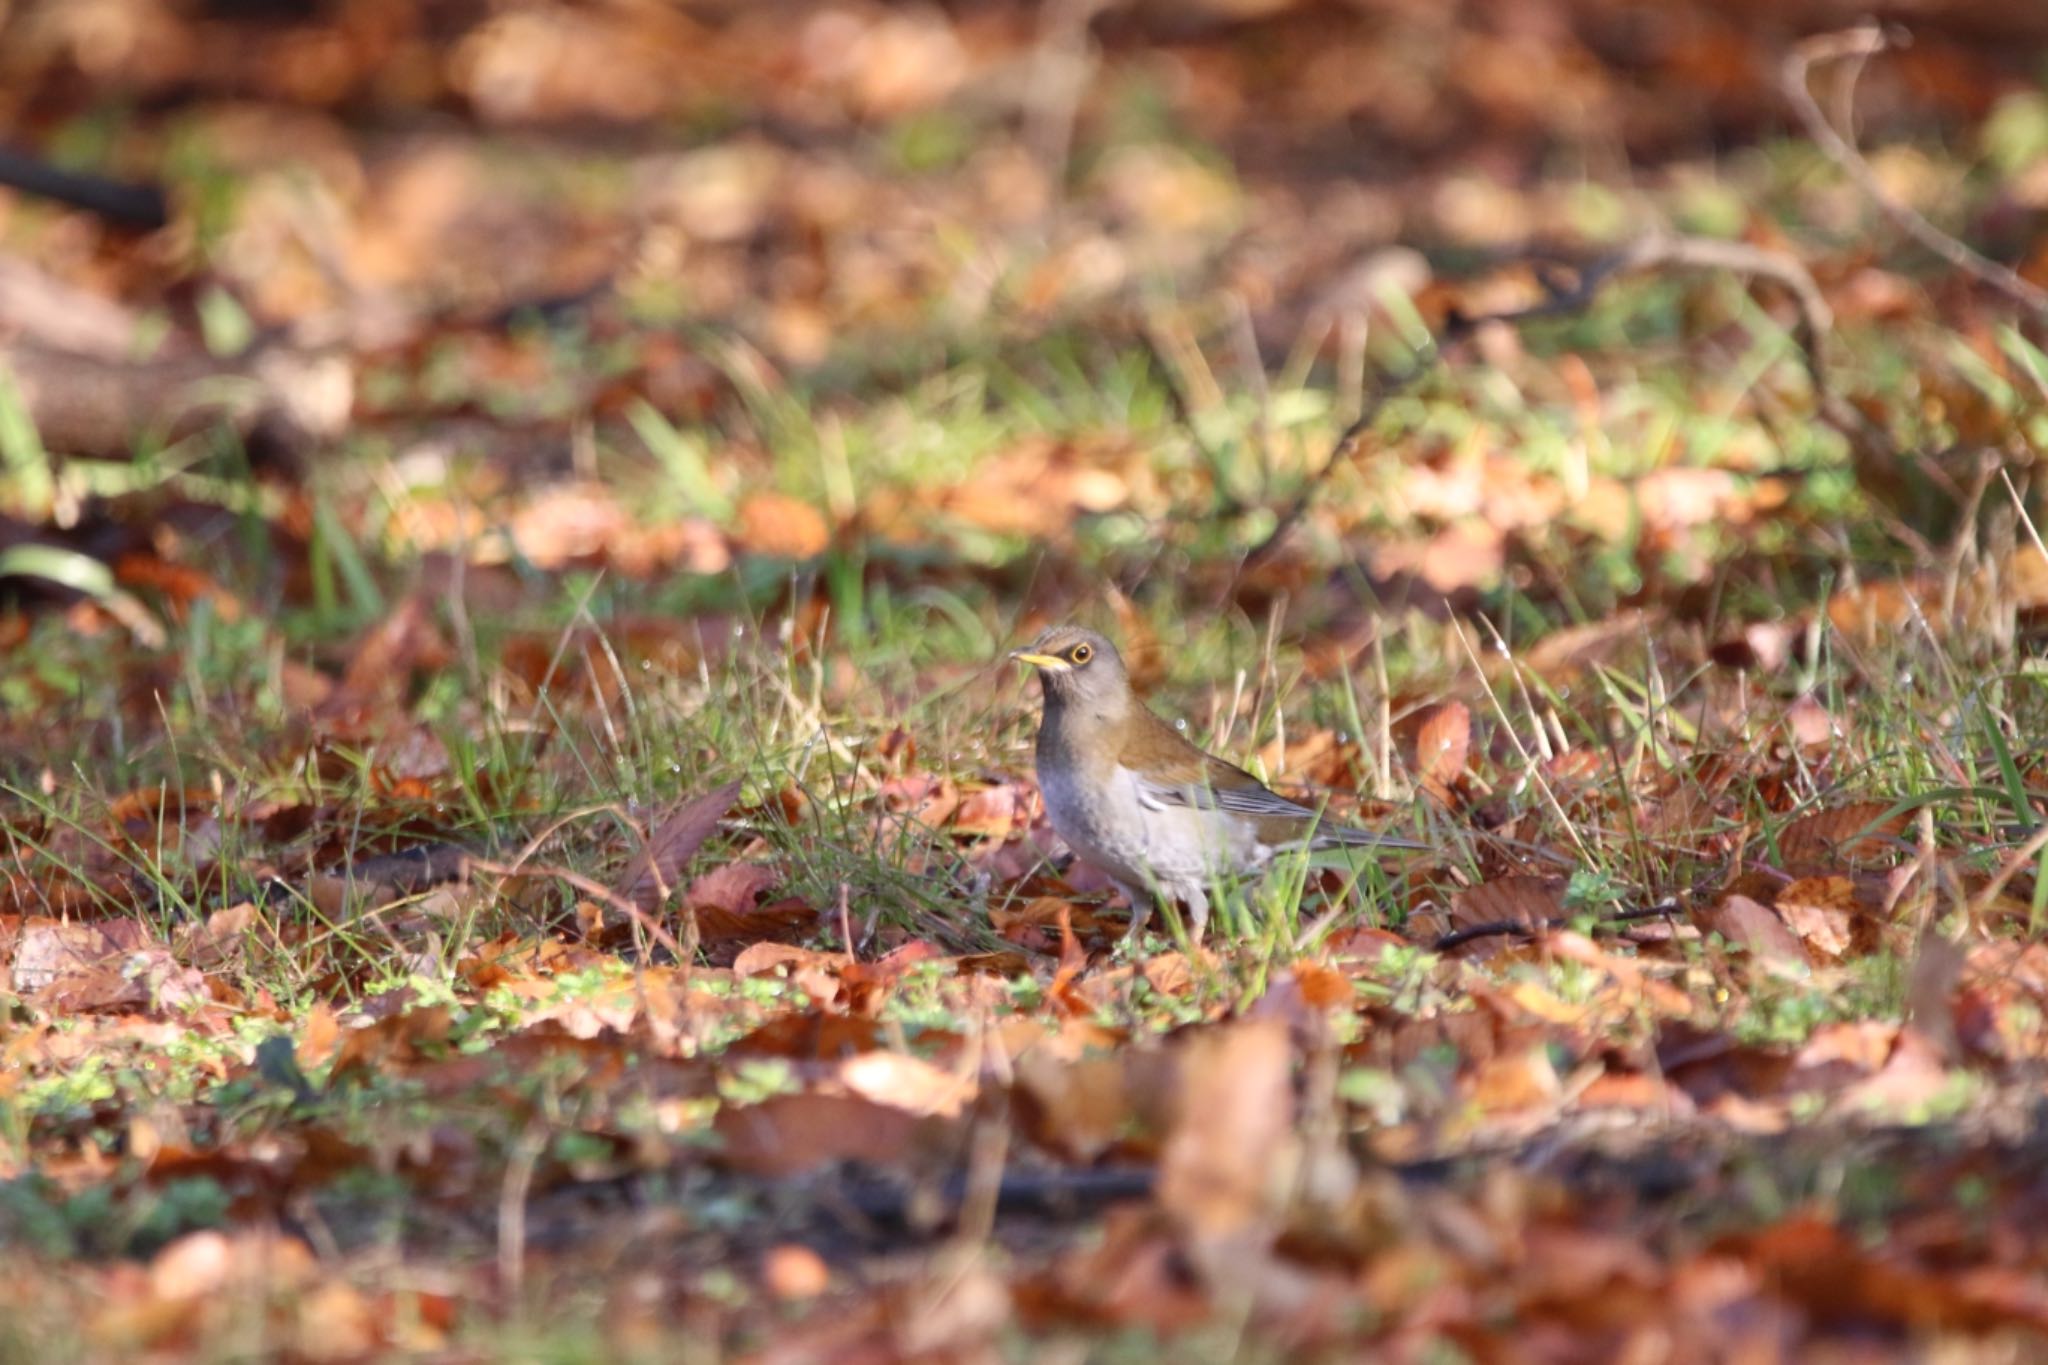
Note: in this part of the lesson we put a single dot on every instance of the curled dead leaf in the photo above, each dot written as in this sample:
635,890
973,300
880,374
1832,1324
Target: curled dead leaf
1825,914
734,888
1442,747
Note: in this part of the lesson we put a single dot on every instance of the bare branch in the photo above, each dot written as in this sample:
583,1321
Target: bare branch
1657,250
1858,45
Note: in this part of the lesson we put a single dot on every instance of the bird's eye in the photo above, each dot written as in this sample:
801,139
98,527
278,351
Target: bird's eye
1081,654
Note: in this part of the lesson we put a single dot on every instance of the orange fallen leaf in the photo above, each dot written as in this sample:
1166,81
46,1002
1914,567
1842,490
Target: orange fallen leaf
1225,1169
1515,1081
781,526
994,812
1822,911
1442,747
905,1082
794,1272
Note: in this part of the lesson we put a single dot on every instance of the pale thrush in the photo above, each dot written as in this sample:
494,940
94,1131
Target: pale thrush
1134,798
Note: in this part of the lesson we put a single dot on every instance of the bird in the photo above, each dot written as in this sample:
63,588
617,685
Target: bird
1136,799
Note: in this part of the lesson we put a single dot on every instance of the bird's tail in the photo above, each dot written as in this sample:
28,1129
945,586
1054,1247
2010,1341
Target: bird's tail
1351,836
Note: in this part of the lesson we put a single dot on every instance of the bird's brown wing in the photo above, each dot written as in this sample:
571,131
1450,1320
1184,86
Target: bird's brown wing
1173,771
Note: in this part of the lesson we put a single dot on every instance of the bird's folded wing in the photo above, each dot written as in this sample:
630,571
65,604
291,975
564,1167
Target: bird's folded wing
1205,782
1254,800
1169,771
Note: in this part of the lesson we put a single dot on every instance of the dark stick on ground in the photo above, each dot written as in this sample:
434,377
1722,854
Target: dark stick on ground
1347,442
142,207
1498,928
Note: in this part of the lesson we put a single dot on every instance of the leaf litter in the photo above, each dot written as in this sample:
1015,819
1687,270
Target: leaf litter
557,851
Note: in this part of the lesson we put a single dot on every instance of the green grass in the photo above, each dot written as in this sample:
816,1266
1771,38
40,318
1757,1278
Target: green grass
1646,769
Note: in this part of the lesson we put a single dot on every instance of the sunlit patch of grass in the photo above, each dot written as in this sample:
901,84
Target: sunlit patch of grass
899,637
1786,1014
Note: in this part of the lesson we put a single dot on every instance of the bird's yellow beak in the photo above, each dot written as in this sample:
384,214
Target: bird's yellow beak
1025,656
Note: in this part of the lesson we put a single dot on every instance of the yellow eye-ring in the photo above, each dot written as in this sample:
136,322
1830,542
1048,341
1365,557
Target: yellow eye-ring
1081,654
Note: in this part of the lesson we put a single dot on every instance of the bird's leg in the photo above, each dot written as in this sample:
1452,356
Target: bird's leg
1141,909
1198,914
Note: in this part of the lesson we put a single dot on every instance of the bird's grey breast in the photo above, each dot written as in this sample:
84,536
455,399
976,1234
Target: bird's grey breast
1089,815
1108,821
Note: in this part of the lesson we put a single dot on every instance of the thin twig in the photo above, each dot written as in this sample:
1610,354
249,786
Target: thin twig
138,206
512,1197
1981,903
846,942
598,891
1564,296
1859,44
1345,447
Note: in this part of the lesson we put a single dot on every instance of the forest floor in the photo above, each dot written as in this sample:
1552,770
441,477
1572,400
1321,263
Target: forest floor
518,839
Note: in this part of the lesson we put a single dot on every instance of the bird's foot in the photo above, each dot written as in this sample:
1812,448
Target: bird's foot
1141,912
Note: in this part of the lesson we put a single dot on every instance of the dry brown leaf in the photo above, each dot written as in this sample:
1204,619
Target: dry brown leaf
1569,650
1532,902
1038,912
734,888
787,1135
220,941
1041,486
180,584
1467,554
1081,1108
1319,759
395,1042
1914,1075
759,959
908,1083
100,965
1860,830
994,812
1870,612
1752,925
1823,912
1515,1081
925,798
650,878
782,919
1171,974
1442,747
1809,724
386,655
1225,1171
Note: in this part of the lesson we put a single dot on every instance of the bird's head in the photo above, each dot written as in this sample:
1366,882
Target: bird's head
1077,665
